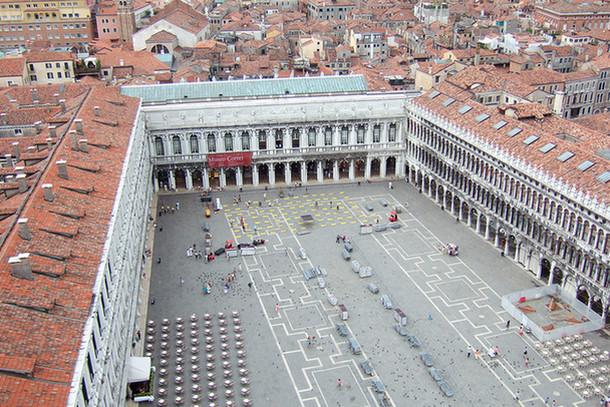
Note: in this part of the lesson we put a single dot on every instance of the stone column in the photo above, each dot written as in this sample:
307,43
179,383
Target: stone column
155,182
552,275
320,173
253,140
205,178
400,164
487,229
367,170
223,178
517,246
336,170
287,139
172,179
304,172
453,205
302,139
239,177
254,175
478,227
319,136
337,136
505,246
188,179
368,134
352,135
469,217
287,174
382,166
352,170
271,174
539,272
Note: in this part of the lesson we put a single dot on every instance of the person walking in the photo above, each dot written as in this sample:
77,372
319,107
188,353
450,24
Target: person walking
468,351
250,285
181,282
526,362
177,206
508,324
339,383
277,308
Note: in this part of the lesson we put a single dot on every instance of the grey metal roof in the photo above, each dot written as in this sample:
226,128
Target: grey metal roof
248,88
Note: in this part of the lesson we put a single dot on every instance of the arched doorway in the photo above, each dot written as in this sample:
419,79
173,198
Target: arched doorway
197,177
280,176
375,167
180,177
327,169
557,276
473,218
359,168
545,270
448,199
246,175
295,172
465,211
263,174
390,166
456,206
312,170
582,295
230,176
343,169
163,178
214,178
482,225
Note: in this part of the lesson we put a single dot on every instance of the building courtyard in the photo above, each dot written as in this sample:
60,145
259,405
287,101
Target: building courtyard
452,306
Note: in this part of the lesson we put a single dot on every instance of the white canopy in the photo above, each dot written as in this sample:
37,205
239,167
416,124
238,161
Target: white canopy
138,369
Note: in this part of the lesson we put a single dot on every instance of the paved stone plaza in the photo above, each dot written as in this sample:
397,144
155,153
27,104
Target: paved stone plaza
450,302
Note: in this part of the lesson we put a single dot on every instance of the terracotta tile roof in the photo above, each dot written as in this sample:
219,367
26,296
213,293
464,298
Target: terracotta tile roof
566,136
12,66
42,320
141,62
45,56
181,15
161,36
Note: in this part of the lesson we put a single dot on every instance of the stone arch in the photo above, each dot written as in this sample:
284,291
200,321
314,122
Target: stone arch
295,171
359,168
263,173
180,177
327,169
159,49
163,178
464,211
312,170
597,305
343,169
279,171
197,178
375,167
230,176
511,246
583,295
390,166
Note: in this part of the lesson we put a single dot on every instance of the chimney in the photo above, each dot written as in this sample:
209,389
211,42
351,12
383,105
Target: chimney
20,169
21,266
121,62
96,110
14,103
52,131
16,151
24,230
62,103
38,126
83,145
79,126
35,95
3,119
74,140
48,192
49,141
62,169
23,183
9,159
56,97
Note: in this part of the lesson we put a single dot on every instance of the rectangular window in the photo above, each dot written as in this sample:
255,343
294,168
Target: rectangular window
328,136
547,147
464,109
585,165
392,133
513,132
49,75
48,65
565,156
245,141
311,137
481,118
360,135
376,133
531,139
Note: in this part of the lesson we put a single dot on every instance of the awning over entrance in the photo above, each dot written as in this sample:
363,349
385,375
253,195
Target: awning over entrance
138,369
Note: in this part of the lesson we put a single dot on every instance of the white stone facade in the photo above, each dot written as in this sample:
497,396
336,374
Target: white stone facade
293,139
110,328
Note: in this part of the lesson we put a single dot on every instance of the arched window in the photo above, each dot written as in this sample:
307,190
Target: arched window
328,136
296,138
311,137
159,49
376,133
159,147
245,141
279,139
177,145
392,133
344,135
228,142
211,143
360,135
262,140
194,144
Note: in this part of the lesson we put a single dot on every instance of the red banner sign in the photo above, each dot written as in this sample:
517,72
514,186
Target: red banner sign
226,160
